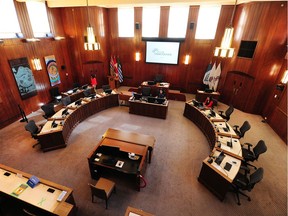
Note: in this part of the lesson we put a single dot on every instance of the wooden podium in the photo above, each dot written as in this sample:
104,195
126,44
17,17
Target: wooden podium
113,82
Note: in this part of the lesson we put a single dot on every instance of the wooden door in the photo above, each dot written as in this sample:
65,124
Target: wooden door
237,88
94,68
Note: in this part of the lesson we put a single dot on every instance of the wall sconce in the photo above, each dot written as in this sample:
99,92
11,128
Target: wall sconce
187,57
284,79
137,56
31,40
59,38
36,64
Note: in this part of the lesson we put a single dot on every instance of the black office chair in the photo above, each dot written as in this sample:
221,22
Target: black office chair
215,103
54,92
246,182
87,92
146,91
252,155
66,101
243,129
48,110
34,130
228,113
158,78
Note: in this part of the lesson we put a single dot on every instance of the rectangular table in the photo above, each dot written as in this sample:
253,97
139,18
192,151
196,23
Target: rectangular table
38,199
109,151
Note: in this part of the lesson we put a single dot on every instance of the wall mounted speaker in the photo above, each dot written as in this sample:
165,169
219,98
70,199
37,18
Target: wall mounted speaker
137,25
191,25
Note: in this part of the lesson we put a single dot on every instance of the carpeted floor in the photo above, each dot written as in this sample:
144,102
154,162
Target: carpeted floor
172,187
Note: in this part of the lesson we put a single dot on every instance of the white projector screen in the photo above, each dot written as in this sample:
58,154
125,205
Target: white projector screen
162,52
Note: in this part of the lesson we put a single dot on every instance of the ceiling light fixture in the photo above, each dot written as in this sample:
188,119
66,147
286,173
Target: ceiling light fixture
225,50
90,41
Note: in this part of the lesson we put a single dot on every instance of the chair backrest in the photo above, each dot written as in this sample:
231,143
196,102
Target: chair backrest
48,109
255,177
54,91
100,193
260,148
32,127
228,112
158,78
87,92
244,128
146,91
66,101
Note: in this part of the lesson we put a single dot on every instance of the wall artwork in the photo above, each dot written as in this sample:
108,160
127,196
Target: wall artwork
52,69
24,77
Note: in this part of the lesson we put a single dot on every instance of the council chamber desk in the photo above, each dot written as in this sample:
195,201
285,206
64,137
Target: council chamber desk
40,200
155,87
202,95
221,167
145,108
51,138
113,155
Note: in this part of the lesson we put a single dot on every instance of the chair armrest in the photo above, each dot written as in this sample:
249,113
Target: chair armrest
249,145
236,127
241,182
246,169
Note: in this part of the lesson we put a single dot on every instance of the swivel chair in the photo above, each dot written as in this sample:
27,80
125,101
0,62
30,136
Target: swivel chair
87,92
146,91
34,130
246,182
252,155
106,88
48,110
54,92
158,78
243,129
228,113
103,189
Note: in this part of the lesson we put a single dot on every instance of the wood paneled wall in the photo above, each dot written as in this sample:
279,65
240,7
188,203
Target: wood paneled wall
264,22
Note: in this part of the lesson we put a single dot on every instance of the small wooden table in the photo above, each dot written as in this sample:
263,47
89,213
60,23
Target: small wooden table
130,211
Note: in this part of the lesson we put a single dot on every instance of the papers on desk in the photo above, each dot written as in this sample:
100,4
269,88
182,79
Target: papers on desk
133,214
119,164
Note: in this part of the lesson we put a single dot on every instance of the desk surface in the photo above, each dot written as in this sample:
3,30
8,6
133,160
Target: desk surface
131,137
37,196
158,85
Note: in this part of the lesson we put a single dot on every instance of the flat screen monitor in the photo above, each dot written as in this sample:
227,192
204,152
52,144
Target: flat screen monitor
78,102
160,100
92,96
109,150
220,158
108,91
151,99
75,89
65,112
137,96
150,82
84,86
162,52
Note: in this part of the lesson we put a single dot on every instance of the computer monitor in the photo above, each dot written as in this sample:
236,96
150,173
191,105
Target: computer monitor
108,91
109,150
84,86
78,102
65,112
146,91
160,100
92,96
137,96
150,82
54,124
151,99
220,158
75,89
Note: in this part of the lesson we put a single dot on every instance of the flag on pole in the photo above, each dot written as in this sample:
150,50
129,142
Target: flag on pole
115,67
217,77
211,77
112,73
120,73
207,74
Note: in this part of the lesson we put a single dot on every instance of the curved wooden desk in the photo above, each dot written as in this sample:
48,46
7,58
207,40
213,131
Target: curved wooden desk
217,178
53,138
